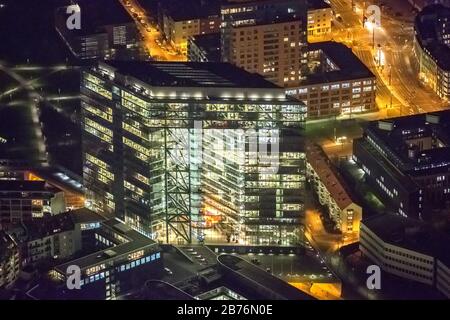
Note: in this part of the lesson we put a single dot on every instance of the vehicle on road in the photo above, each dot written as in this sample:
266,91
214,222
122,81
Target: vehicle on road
168,271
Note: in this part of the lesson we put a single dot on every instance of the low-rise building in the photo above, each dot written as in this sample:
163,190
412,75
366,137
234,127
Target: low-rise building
180,20
22,201
332,191
407,248
320,17
55,238
48,238
9,260
128,258
338,82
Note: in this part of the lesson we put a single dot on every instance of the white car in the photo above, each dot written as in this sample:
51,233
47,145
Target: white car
168,271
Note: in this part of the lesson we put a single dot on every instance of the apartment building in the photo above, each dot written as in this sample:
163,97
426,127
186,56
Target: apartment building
180,20
266,37
320,18
332,191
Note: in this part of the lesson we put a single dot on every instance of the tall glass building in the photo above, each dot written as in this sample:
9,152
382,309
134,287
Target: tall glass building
191,152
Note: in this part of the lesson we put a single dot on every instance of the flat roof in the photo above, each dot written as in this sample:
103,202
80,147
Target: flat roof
135,242
24,186
350,67
210,44
191,74
191,9
84,215
317,4
393,171
410,234
264,12
263,278
161,290
395,133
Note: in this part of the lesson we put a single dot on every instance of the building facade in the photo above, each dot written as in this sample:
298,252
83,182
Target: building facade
408,249
406,161
432,48
266,37
337,83
125,259
177,159
22,201
181,20
332,191
9,260
320,18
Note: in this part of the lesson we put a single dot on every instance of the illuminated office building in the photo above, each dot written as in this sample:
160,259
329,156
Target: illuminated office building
406,160
170,148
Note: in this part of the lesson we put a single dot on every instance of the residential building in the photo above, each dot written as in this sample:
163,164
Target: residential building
9,260
180,20
161,162
406,161
432,48
22,201
320,18
407,248
48,238
55,238
332,191
337,83
107,31
266,37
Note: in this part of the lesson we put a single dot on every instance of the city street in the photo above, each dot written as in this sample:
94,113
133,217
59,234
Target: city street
399,92
151,35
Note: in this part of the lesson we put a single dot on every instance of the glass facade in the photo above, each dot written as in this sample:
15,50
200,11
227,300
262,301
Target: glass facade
191,165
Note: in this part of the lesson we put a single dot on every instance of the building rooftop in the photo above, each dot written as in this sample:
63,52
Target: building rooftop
132,241
428,34
190,9
209,44
263,12
328,175
318,4
84,215
398,136
410,234
48,225
349,67
161,290
25,186
191,74
96,14
260,277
